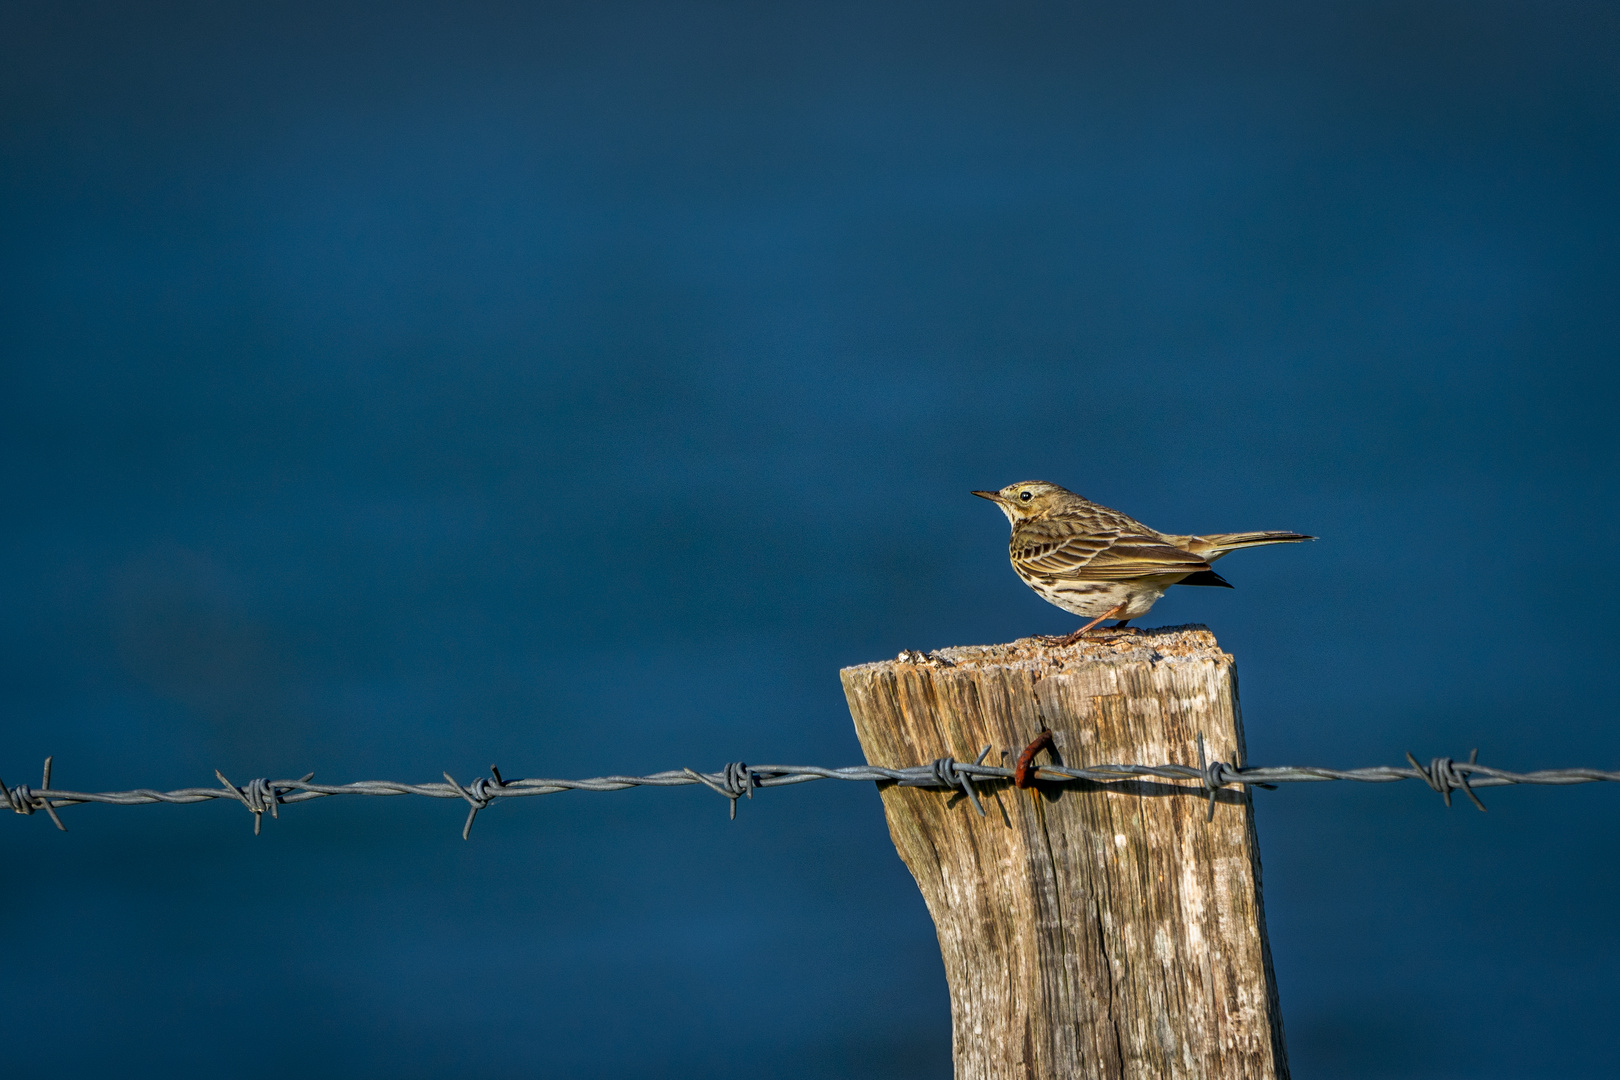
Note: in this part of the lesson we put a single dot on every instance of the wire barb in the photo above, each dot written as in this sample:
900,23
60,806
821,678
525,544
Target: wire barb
1213,776
253,797
1446,776
24,801
479,794
735,781
947,772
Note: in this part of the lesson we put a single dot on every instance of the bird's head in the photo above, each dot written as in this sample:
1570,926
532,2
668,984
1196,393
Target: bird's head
1032,498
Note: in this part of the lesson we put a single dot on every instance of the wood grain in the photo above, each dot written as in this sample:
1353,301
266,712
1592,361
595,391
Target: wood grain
1087,930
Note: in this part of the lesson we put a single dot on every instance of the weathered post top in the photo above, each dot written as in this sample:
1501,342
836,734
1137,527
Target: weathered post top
1088,930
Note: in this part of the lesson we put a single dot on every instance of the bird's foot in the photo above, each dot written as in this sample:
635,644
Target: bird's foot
1070,639
1061,640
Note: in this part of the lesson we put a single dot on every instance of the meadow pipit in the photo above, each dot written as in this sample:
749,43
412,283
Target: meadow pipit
1099,564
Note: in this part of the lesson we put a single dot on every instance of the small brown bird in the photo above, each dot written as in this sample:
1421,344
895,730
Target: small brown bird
1099,564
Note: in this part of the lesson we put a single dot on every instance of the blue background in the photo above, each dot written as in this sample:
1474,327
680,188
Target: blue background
405,387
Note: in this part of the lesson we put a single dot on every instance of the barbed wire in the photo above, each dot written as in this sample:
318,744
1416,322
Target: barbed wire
738,780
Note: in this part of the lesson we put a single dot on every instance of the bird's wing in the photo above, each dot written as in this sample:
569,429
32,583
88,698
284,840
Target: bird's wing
1098,549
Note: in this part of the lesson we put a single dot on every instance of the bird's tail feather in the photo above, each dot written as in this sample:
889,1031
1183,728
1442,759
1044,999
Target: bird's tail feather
1207,577
1215,545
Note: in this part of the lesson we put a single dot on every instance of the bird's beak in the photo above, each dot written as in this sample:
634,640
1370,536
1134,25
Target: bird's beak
993,496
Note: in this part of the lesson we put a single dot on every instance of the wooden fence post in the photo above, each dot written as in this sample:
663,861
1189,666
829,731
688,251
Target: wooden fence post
1092,930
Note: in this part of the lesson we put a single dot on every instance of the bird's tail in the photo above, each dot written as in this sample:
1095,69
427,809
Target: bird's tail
1215,545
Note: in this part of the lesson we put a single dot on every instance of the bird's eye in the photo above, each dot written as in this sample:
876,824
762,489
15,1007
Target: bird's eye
1026,496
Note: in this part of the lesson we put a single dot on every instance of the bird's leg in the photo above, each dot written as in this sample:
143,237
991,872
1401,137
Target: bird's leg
1070,639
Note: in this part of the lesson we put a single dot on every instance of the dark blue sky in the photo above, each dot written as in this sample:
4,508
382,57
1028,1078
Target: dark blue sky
397,388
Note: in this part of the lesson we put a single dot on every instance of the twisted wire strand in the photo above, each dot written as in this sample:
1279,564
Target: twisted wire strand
738,780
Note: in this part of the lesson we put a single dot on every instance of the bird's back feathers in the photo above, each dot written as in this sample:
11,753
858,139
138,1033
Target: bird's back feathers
1098,544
